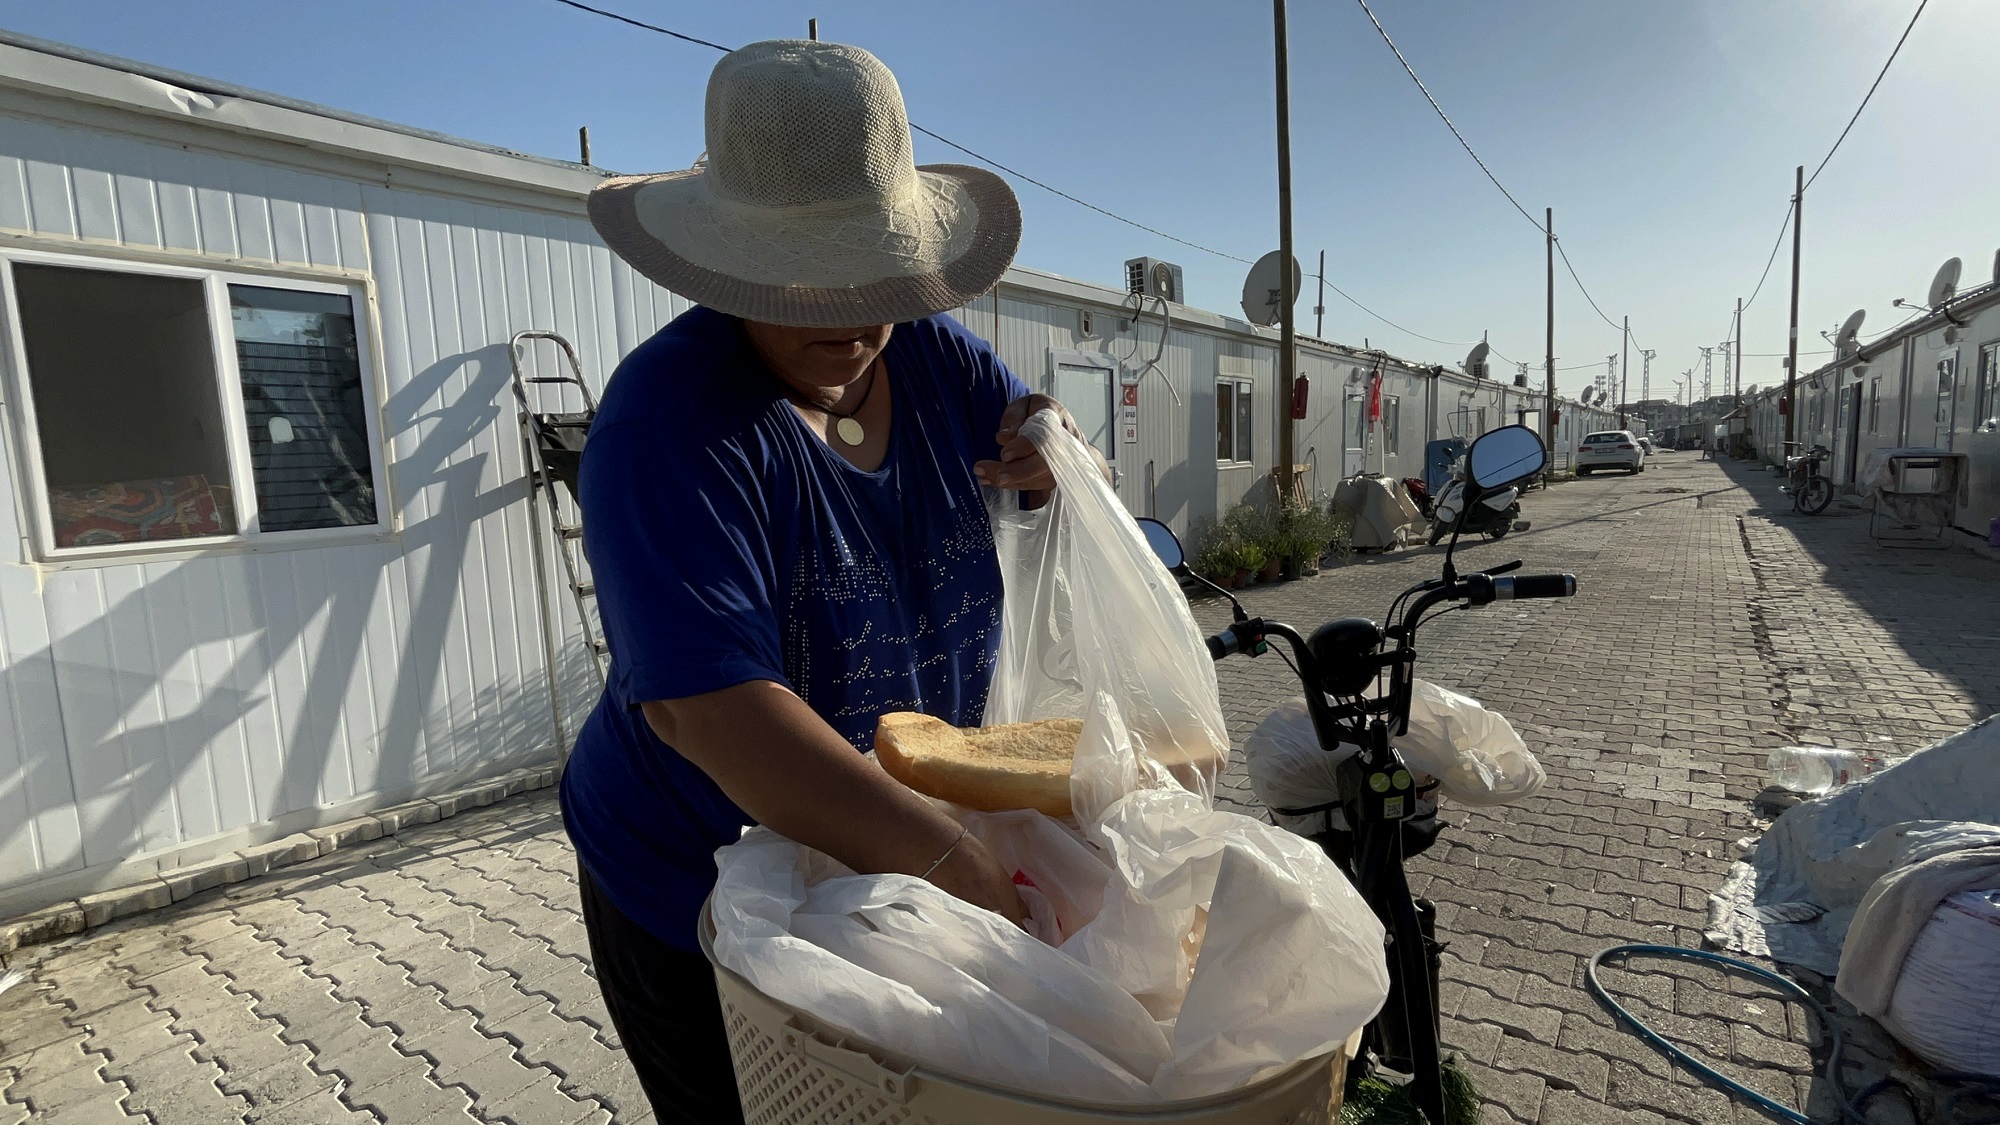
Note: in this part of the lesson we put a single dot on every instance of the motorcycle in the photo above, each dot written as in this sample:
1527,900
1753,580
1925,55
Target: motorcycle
1493,513
1385,816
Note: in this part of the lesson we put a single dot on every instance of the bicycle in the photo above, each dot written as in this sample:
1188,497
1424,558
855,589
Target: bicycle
1808,487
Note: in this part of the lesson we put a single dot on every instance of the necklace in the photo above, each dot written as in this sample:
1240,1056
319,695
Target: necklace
846,425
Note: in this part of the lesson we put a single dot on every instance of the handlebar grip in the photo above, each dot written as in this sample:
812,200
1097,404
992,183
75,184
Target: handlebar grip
1535,586
1223,644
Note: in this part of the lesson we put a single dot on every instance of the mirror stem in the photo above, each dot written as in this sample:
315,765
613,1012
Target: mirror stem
1236,612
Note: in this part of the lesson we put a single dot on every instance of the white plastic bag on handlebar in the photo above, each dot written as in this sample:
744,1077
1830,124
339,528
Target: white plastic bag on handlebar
1476,754
1097,629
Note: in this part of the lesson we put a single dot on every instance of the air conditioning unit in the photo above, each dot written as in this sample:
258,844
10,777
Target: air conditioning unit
1151,277
1520,378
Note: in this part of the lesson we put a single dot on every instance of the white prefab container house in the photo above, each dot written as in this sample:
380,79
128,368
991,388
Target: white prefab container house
1931,383
271,560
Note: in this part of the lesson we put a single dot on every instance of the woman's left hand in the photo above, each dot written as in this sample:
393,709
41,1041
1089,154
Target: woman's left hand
1021,466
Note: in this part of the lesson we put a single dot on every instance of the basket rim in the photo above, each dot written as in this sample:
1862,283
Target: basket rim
705,932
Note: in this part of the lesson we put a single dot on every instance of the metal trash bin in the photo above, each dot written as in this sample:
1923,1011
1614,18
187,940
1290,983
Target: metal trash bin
793,1070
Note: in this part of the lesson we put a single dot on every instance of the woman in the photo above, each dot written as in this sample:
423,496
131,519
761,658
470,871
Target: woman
783,515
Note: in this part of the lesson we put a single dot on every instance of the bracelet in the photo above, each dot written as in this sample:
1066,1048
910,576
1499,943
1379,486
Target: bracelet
962,834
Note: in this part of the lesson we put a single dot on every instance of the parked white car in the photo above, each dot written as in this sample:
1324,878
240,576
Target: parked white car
1610,449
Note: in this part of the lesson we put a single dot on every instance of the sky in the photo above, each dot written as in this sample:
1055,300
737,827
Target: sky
1664,133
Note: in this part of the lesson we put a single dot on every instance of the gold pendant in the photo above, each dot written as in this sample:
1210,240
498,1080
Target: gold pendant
850,431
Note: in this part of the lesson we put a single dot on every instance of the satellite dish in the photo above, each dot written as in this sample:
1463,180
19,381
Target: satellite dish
1843,340
1264,289
1475,360
1945,285
1585,397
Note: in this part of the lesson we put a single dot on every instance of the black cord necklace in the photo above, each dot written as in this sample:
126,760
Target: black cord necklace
845,424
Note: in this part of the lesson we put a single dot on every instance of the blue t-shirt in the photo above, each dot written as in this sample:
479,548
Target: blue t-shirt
730,544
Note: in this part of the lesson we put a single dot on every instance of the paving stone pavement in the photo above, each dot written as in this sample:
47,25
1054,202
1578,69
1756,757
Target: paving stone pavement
441,974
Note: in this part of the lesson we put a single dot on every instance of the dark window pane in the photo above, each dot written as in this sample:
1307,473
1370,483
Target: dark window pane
303,405
1225,421
122,371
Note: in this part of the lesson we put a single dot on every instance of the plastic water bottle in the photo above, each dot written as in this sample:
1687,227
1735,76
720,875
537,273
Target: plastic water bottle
1821,769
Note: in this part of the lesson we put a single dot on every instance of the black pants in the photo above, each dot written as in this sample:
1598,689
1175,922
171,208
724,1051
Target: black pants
663,1003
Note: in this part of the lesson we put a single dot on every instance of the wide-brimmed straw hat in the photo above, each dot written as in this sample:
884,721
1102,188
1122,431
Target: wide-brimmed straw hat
809,208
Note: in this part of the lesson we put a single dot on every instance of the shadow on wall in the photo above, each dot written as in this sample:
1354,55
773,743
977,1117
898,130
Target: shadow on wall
321,632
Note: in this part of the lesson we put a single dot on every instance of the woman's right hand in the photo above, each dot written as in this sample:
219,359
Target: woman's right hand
973,874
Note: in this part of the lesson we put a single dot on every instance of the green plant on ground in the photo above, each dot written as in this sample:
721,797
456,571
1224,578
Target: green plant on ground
1371,1101
1252,556
1215,550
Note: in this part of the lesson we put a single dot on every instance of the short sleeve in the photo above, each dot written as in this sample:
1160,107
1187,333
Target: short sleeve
678,549
993,384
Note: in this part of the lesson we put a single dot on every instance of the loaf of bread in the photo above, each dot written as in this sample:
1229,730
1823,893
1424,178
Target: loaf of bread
1016,766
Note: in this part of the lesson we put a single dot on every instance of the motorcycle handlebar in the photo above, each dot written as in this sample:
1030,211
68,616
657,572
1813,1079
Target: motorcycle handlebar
1535,586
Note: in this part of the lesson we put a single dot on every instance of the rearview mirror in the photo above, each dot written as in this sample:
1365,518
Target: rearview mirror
1501,457
1164,542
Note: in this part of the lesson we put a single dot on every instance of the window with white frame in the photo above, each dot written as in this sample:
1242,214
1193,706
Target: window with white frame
1392,423
1085,390
1874,404
1234,421
164,404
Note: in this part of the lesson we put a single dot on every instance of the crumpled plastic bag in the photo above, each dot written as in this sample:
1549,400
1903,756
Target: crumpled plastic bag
1289,770
1476,754
1195,950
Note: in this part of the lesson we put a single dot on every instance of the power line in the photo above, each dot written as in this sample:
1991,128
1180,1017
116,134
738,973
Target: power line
1051,189
1871,91
1442,116
642,24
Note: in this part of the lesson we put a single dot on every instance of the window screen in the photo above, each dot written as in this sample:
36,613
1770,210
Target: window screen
122,371
1392,423
302,403
1986,414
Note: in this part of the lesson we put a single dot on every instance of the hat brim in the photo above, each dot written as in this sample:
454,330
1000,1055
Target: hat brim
882,290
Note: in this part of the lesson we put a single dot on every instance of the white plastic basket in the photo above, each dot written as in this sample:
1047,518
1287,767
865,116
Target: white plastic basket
792,1070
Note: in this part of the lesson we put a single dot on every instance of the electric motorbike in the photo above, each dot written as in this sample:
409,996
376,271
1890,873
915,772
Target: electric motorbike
1493,513
1386,815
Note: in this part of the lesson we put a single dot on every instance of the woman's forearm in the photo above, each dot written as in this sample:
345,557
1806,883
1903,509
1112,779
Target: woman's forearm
782,764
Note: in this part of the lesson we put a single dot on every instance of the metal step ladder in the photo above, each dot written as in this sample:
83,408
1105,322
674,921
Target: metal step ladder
552,442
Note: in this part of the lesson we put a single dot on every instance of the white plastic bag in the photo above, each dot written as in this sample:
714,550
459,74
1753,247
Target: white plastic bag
1476,755
1199,950
1289,770
1097,629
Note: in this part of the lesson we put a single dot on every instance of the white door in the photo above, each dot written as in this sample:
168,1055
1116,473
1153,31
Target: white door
1947,400
1354,424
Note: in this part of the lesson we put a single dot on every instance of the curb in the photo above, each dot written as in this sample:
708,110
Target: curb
93,910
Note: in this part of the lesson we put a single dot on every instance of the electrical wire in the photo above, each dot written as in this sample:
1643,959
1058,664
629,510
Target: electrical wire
642,24
1782,228
1053,190
1442,116
1871,92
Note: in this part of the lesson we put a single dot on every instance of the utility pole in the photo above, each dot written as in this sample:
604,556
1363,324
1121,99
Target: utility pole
1624,367
1319,310
1646,373
1739,355
1289,329
1707,356
812,30
1549,360
1791,399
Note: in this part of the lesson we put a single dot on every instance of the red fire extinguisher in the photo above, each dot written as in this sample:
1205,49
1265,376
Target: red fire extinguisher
1300,386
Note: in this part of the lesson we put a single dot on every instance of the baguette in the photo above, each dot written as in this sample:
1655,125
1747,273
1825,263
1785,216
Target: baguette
992,769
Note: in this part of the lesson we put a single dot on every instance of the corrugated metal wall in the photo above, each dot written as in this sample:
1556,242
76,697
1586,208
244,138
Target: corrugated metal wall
152,705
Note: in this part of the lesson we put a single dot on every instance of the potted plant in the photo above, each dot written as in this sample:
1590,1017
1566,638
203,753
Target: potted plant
1249,561
1214,555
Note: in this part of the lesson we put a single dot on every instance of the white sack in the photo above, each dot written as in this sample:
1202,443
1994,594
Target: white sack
1944,1007
1288,770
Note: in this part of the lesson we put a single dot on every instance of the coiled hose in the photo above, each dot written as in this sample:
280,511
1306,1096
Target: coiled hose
1968,1085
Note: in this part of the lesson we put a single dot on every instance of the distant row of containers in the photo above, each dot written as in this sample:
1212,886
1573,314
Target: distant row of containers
1931,383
